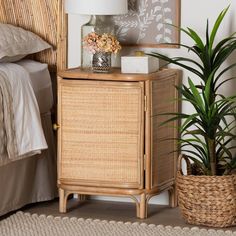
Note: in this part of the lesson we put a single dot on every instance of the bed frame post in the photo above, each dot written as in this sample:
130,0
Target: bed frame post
62,32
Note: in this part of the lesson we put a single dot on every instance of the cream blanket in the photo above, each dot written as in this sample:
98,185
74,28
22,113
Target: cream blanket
21,133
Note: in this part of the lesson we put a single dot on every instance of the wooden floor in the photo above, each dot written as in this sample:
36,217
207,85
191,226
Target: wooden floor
102,210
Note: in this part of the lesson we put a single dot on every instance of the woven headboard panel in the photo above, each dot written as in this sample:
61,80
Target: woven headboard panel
43,17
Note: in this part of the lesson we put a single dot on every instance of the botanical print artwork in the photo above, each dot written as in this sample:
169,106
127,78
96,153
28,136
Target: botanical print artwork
147,23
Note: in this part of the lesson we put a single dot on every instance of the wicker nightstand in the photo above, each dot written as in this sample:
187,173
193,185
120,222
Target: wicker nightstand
110,141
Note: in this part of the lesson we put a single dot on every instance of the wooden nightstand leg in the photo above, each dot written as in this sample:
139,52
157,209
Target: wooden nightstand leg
62,201
137,212
143,207
173,197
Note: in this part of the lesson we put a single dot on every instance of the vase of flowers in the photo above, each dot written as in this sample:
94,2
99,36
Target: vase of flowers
101,46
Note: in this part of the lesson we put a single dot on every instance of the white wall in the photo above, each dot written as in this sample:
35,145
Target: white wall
194,14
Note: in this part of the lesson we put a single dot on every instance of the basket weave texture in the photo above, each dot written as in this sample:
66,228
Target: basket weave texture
206,200
102,133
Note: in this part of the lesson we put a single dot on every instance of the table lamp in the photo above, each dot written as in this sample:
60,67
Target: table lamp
98,9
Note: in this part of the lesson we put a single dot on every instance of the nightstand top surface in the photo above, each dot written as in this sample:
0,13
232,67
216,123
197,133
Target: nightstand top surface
114,75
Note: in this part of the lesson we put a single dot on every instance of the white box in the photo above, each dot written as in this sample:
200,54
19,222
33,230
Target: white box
139,64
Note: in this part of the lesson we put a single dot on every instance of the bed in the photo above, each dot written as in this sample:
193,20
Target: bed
33,179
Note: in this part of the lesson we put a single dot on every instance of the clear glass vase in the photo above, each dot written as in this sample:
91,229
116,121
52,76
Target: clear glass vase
101,62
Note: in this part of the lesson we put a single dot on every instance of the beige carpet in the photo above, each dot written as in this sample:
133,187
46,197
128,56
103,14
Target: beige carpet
25,224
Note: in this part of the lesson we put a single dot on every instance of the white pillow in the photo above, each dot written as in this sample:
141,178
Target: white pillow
16,43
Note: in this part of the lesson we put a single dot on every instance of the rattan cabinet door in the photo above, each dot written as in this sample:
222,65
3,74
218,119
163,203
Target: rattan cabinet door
101,136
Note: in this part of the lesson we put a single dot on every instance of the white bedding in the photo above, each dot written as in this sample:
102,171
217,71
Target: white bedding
32,179
29,134
41,83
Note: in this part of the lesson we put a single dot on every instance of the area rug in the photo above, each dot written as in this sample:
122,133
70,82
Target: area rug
25,224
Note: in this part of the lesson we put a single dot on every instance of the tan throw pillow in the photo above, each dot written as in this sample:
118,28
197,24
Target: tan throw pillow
16,43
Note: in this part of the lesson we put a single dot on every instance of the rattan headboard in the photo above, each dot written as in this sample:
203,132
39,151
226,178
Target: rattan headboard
45,18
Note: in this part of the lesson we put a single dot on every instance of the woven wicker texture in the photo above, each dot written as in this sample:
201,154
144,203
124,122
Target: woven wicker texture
207,200
38,16
163,143
24,224
102,124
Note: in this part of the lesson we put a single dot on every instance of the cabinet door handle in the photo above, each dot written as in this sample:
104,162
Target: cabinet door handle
56,127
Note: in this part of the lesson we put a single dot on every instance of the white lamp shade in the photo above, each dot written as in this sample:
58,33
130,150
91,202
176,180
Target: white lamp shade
96,7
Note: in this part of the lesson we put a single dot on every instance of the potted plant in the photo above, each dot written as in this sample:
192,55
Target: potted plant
207,194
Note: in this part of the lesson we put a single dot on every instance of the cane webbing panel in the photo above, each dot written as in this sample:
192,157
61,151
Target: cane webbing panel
163,143
101,136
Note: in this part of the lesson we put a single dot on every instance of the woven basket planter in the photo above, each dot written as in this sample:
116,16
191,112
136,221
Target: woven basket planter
206,200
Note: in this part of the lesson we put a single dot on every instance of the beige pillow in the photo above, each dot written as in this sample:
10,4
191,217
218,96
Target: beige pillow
16,43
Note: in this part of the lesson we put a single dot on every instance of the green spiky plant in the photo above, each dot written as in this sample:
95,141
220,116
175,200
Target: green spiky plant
210,130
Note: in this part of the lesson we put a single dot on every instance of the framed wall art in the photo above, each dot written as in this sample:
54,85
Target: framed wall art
147,23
